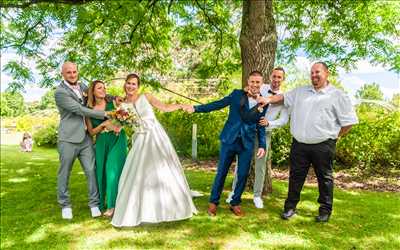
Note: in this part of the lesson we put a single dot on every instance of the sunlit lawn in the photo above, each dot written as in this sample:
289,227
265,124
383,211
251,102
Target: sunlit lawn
30,216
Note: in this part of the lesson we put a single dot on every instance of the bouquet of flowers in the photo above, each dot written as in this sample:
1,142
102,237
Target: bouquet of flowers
122,116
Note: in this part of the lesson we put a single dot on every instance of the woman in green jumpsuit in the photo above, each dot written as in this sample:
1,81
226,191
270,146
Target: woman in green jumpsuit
110,148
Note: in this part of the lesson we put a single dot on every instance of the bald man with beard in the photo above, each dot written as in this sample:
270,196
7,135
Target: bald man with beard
73,139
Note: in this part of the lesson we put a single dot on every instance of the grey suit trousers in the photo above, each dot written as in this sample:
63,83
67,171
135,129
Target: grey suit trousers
260,167
68,152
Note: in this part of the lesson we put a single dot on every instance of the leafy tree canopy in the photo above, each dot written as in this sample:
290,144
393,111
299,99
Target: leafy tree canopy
186,38
370,92
396,100
47,101
12,104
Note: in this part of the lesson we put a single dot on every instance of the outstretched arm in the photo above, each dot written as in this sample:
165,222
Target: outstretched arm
162,106
94,131
66,102
281,121
209,107
216,105
275,99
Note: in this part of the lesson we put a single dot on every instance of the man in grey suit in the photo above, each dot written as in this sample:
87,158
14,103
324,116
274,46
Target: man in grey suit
73,141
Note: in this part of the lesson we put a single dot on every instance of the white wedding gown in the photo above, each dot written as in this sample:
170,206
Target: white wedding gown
152,187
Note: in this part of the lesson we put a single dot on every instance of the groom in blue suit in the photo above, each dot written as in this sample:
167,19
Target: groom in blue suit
237,138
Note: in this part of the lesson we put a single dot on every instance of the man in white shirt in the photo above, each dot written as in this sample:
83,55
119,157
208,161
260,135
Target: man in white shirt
275,117
320,114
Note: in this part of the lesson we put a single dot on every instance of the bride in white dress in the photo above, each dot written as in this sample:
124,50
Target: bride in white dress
152,187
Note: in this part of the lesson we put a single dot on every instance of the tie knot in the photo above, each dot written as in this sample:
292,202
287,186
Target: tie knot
254,96
75,86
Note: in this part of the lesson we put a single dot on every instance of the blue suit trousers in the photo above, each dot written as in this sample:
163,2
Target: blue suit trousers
227,156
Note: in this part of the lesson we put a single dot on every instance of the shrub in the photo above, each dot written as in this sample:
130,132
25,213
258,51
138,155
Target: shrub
46,136
179,128
43,124
372,145
36,121
280,143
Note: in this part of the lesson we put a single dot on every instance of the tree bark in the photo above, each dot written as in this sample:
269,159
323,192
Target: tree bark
258,42
258,38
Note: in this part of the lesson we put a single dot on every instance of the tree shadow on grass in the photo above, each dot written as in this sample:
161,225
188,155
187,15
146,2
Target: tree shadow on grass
31,218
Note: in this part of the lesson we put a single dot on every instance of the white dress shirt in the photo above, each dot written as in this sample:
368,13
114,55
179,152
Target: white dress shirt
317,116
77,90
274,110
252,102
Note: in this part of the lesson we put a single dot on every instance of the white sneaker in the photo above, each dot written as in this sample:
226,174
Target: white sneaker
229,199
66,213
95,212
195,194
258,202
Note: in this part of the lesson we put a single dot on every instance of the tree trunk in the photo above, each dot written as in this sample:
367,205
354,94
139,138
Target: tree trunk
258,41
258,38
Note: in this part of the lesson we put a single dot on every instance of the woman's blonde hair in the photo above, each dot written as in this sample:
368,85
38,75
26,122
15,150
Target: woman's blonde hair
91,101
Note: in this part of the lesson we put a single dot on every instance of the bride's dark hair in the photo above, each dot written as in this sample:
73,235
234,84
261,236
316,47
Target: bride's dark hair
133,75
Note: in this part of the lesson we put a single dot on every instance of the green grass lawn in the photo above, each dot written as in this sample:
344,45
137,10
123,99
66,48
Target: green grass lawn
31,218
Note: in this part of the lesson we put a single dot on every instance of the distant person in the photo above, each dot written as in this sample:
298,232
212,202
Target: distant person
26,143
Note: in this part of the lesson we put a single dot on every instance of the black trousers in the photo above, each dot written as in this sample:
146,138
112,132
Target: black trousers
321,156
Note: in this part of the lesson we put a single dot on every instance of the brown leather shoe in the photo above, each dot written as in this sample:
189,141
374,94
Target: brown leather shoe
212,209
237,210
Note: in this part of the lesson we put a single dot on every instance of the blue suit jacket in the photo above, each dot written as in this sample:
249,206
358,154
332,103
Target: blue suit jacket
235,125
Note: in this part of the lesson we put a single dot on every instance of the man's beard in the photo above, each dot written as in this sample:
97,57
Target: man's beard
72,83
315,81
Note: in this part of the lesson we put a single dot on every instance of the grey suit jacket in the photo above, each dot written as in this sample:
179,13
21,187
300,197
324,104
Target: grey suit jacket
72,113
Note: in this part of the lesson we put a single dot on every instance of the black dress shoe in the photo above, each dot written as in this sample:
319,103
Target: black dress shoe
288,214
322,218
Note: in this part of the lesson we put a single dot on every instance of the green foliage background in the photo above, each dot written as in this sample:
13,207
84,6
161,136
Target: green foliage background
200,39
187,38
372,146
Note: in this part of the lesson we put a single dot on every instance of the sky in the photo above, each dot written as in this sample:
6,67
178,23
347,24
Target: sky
363,72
